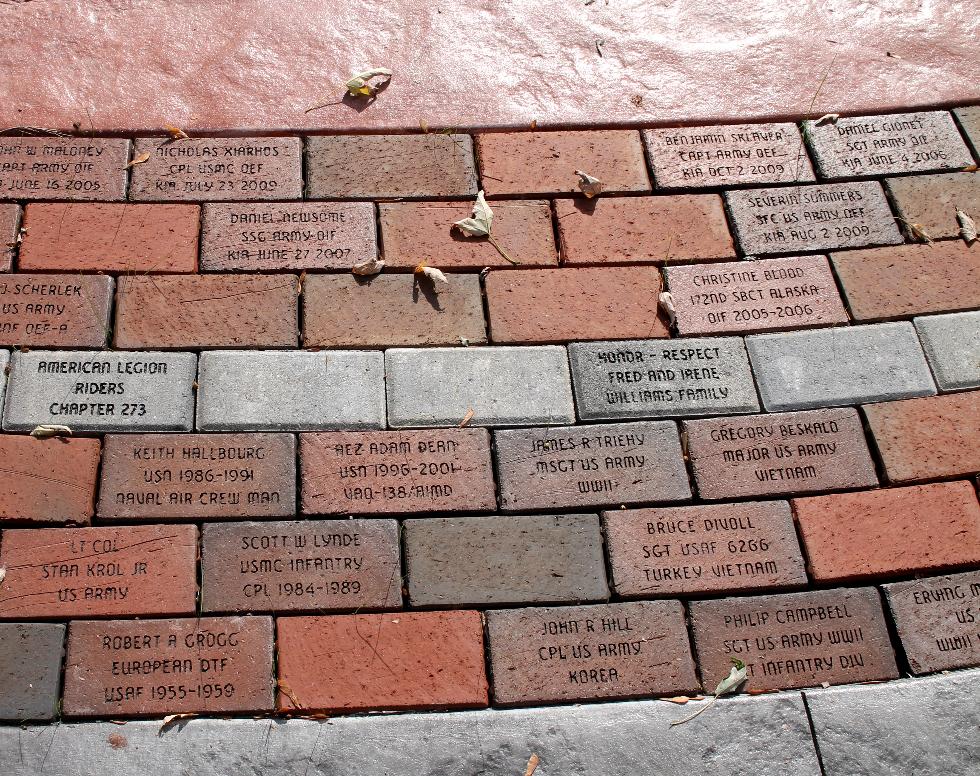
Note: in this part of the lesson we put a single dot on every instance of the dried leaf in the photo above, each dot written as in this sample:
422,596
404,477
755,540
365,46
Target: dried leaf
532,765
918,232
827,118
3,574
463,341
968,227
432,273
637,100
172,718
141,159
680,700
359,84
48,431
467,418
480,223
589,185
176,133
666,302
731,682
369,267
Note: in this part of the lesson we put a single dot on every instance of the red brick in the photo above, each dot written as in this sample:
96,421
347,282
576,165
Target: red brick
885,533
47,481
200,665
9,223
415,232
110,238
618,230
909,280
79,168
559,305
386,472
207,311
545,162
98,572
930,202
391,310
55,310
929,438
375,662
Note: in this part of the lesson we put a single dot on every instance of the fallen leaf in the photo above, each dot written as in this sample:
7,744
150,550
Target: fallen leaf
532,765
666,302
3,574
359,84
480,223
432,273
637,100
467,418
141,159
464,342
827,118
970,168
171,719
369,267
736,677
918,232
680,700
48,431
589,185
968,227
176,133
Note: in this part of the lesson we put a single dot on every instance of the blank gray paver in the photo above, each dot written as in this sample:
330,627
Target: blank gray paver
4,359
952,345
30,670
846,365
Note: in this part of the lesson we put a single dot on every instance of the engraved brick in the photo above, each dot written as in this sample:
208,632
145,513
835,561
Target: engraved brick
885,533
461,561
769,455
585,466
55,310
260,236
9,224
48,480
794,639
930,202
218,168
386,472
731,155
207,311
384,166
110,238
884,145
937,621
414,232
30,670
98,572
661,230
952,345
195,476
200,665
64,168
969,120
707,548
428,660
822,217
767,295
581,653
389,309
101,391
308,565
650,379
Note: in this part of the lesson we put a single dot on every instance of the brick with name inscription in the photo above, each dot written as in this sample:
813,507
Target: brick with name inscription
98,572
706,548
202,665
63,168
55,310
195,476
794,639
768,455
9,224
387,472
118,391
579,653
301,565
821,217
585,466
929,202
30,670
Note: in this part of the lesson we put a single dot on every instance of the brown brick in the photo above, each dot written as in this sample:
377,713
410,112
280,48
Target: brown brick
930,202
786,452
200,665
794,639
391,310
195,476
581,653
384,166
541,163
207,311
415,232
707,548
110,238
884,533
47,480
387,472
55,310
75,168
611,230
30,670
909,280
98,572
9,224
929,438
559,305
375,662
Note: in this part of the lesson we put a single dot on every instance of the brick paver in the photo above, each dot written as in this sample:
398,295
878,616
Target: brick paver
70,311
928,203
64,168
30,670
952,345
9,225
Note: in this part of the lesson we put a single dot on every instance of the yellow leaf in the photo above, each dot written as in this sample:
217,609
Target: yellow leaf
141,159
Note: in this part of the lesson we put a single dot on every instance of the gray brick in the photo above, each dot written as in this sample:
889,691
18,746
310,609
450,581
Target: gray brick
847,365
969,120
267,390
4,360
102,391
661,378
504,386
30,670
952,345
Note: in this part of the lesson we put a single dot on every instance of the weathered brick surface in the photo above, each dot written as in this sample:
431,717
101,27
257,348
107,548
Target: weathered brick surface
55,310
47,481
30,670
969,119
930,202
581,653
126,668
385,166
707,548
4,369
111,238
884,533
98,572
545,162
69,168
614,230
9,224
952,345
387,472
391,310
408,660
461,561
